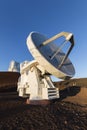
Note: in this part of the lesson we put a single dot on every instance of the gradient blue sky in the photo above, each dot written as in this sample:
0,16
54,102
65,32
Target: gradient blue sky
19,17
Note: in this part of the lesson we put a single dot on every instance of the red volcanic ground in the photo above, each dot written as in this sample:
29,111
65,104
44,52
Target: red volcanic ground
8,79
62,114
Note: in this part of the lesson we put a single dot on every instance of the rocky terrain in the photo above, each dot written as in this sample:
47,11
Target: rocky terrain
61,114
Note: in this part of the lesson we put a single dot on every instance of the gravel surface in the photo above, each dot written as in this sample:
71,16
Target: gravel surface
15,114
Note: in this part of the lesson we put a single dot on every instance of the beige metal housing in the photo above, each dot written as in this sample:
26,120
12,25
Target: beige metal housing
34,85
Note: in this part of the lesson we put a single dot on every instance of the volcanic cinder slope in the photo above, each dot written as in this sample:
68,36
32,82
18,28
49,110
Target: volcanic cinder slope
8,80
62,114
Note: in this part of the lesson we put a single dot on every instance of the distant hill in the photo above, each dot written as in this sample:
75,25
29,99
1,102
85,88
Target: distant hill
8,79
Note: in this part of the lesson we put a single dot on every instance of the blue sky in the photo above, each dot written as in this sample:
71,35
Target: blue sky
19,17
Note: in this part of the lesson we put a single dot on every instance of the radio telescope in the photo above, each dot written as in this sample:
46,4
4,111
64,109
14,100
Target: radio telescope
49,59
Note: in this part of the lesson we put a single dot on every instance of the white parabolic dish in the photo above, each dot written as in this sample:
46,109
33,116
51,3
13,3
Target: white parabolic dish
42,54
